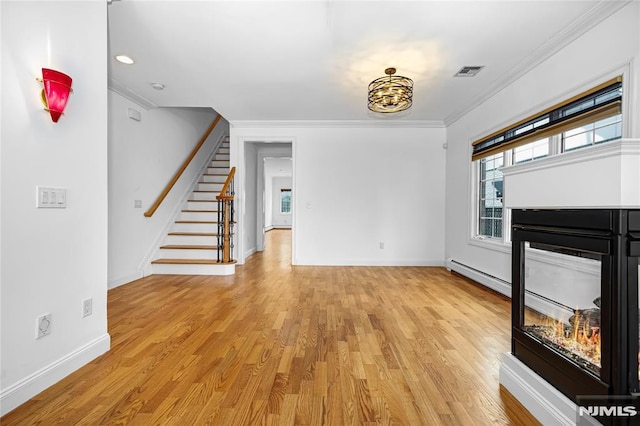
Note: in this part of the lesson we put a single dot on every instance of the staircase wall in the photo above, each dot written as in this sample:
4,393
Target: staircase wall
143,156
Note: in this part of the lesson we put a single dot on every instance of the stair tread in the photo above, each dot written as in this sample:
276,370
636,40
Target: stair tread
196,221
188,247
194,234
187,261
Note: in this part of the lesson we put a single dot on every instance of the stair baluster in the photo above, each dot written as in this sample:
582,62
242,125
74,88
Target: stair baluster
226,214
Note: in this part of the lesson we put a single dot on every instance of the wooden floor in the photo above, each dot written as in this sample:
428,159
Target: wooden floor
284,345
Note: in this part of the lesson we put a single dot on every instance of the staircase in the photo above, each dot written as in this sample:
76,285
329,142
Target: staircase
191,246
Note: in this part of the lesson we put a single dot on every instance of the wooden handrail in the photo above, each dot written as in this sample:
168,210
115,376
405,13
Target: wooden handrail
184,166
225,187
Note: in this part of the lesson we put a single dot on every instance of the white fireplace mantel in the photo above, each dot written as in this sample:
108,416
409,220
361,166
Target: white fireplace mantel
600,176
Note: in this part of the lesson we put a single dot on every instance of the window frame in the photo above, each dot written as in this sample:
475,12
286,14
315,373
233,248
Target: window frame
556,147
284,191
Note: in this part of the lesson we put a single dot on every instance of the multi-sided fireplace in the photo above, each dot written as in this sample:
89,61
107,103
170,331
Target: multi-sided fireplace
575,298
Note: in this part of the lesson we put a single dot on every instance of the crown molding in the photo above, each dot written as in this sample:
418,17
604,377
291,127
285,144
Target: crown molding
337,123
598,13
134,97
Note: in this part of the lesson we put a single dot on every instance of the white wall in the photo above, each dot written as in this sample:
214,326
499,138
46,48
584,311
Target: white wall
599,54
357,186
143,157
280,220
249,197
52,259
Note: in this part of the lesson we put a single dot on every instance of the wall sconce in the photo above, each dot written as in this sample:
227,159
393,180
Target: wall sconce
55,94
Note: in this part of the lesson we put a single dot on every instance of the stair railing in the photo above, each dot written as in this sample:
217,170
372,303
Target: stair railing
181,170
226,220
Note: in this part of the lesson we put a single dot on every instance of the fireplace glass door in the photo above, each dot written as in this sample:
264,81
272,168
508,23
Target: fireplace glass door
562,302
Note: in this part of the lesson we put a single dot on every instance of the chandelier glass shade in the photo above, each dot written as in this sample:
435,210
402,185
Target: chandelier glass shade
392,93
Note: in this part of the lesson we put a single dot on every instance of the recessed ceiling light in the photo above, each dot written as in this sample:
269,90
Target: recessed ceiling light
124,59
157,86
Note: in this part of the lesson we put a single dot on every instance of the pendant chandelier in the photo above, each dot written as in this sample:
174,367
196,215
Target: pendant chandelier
392,93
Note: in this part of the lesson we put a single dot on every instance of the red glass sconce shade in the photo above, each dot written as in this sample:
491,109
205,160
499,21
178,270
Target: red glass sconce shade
55,94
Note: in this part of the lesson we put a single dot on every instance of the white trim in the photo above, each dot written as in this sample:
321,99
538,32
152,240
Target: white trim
494,283
247,124
193,269
20,392
494,244
237,159
539,397
119,88
601,11
125,279
294,193
375,262
250,252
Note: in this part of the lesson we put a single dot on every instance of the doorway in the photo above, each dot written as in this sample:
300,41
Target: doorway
269,192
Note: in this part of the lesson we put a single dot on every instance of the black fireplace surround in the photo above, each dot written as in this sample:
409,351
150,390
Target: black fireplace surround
613,235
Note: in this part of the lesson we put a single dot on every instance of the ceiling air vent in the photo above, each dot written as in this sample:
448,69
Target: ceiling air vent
468,71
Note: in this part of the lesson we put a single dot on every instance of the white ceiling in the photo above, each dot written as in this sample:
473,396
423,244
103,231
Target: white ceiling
313,60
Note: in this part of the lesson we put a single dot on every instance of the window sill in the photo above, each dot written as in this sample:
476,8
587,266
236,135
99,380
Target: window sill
490,243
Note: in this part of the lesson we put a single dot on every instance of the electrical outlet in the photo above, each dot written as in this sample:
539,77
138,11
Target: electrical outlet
87,307
43,325
381,245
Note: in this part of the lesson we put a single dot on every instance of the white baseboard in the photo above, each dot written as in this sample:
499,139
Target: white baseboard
22,391
543,401
250,252
125,279
372,262
486,280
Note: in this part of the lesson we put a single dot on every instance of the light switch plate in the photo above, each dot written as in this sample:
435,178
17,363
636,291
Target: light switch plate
51,198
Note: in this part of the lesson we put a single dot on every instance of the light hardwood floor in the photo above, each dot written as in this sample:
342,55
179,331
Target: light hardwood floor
284,345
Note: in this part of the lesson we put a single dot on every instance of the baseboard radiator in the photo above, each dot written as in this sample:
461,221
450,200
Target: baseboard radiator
494,283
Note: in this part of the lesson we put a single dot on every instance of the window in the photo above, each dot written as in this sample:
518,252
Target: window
592,133
531,151
490,213
285,201
590,118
